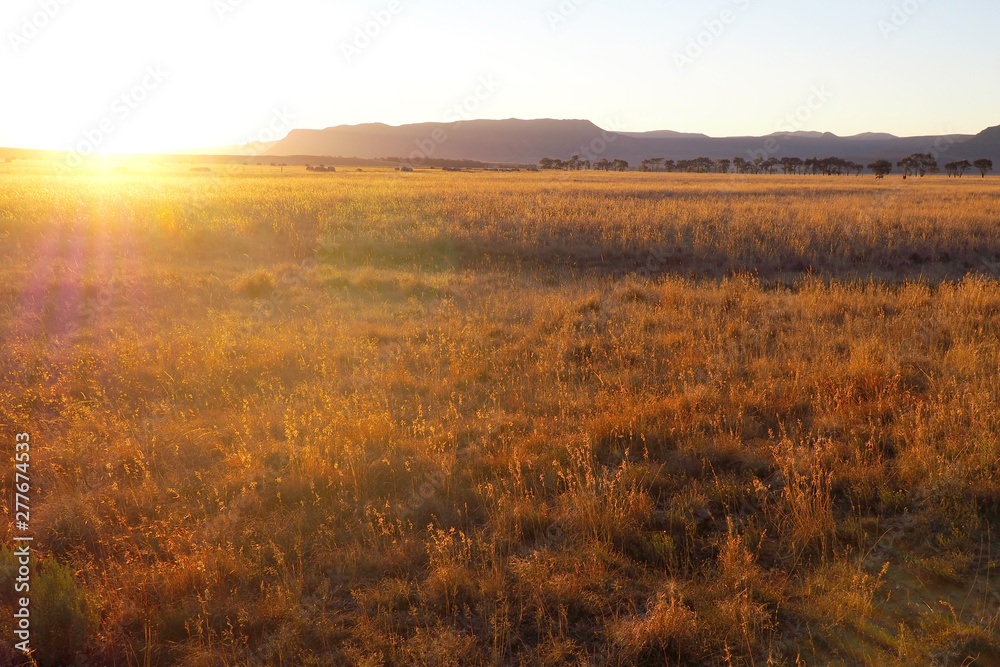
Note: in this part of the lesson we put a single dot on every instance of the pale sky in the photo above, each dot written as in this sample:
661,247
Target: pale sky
135,75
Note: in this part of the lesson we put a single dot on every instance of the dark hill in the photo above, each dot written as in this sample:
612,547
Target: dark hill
528,141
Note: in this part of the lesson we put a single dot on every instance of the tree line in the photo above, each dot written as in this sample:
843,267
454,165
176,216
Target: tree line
576,164
918,164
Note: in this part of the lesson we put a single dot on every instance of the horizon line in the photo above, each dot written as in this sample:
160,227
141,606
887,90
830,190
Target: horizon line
819,133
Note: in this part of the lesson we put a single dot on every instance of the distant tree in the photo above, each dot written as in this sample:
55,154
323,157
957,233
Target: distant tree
958,169
919,164
585,164
741,165
770,165
703,165
881,168
602,165
722,166
699,165
653,163
669,166
839,166
546,163
927,164
907,165
983,165
574,163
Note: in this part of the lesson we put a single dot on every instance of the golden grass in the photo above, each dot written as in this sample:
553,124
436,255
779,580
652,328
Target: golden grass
429,418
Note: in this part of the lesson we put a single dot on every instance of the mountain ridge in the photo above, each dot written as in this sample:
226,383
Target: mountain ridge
525,141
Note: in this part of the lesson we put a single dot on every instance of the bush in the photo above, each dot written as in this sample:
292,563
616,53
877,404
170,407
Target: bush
256,284
62,618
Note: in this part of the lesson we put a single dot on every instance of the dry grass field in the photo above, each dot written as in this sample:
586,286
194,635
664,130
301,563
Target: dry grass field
389,418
